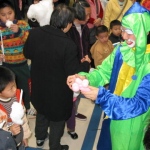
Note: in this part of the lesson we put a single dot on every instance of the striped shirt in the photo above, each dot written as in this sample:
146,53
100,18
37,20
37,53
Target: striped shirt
7,105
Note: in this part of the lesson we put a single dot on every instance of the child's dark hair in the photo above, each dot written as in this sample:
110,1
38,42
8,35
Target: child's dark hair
79,7
6,76
6,3
101,29
114,23
61,16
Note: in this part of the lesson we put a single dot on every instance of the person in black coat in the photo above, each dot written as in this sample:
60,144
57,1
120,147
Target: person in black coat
79,33
54,57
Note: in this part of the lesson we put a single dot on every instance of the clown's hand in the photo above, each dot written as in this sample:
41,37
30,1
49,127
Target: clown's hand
71,79
92,94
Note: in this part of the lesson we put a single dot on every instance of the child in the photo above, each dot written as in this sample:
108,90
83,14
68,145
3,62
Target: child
102,47
13,37
115,29
8,95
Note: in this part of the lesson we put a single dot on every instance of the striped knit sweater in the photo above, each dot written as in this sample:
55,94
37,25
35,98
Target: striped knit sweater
14,42
7,107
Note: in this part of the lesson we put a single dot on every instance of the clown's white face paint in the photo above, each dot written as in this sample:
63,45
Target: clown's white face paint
131,43
128,36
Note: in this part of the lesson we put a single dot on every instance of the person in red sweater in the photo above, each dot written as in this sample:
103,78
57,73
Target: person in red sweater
95,19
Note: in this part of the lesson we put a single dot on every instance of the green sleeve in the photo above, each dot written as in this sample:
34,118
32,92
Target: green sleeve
101,75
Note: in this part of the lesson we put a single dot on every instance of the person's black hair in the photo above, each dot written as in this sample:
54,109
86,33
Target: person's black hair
6,3
101,29
79,7
114,23
61,16
6,76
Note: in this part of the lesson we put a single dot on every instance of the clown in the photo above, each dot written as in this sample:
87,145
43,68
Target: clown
127,70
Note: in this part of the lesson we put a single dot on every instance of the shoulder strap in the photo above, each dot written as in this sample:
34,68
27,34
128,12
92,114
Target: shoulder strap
122,9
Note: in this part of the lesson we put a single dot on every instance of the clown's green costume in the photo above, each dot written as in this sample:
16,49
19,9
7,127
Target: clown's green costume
128,72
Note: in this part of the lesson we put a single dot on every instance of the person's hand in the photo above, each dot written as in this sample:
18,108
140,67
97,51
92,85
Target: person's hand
79,76
3,119
92,94
82,60
15,129
71,79
25,142
97,22
2,57
86,58
14,28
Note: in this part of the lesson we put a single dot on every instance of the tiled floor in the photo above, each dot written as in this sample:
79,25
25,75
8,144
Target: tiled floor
86,108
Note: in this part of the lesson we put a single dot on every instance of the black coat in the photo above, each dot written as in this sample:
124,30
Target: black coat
83,42
115,39
54,57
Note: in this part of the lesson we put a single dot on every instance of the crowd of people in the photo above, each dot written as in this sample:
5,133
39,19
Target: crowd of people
114,40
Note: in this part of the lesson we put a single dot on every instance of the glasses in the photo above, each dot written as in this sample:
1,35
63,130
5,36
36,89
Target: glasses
128,31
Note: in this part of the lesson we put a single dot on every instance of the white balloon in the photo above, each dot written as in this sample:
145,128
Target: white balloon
85,83
78,80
